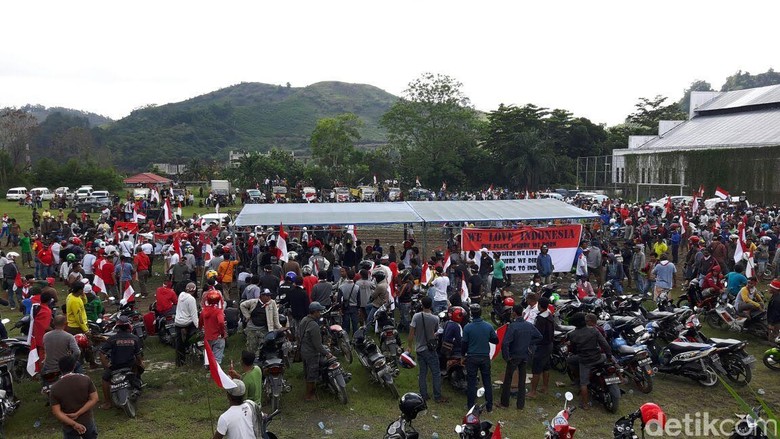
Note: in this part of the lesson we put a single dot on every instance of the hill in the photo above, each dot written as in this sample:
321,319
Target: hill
246,116
42,112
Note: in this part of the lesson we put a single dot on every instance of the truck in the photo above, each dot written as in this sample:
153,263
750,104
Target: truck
220,187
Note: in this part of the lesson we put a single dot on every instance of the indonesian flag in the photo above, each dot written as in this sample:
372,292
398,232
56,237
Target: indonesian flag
167,214
443,186
352,232
374,179
129,293
695,204
742,252
208,252
490,189
426,273
527,195
138,216
33,357
18,281
155,195
281,244
219,376
683,223
447,261
178,210
177,244
668,208
497,431
721,193
464,289
98,285
216,208
495,349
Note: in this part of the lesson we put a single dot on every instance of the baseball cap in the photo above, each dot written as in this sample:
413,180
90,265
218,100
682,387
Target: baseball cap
265,292
239,390
315,306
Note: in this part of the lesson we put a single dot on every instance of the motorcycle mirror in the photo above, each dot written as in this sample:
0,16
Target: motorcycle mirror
459,429
442,315
99,321
481,392
569,396
5,321
137,294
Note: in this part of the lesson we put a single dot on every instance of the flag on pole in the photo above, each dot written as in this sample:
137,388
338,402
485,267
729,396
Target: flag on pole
683,224
495,349
447,261
281,244
208,252
32,356
219,376
129,293
668,207
742,252
426,273
18,281
178,210
177,244
98,285
464,289
167,217
695,204
497,432
216,208
721,193
138,216
374,179
417,181
155,195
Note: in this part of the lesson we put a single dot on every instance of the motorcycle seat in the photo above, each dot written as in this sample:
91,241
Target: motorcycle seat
724,342
627,350
372,358
561,302
567,328
589,299
272,362
677,347
658,315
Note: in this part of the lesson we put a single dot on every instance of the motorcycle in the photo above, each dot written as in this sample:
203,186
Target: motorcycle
164,326
389,339
333,335
559,427
125,390
695,298
501,313
726,317
334,377
697,361
14,352
376,363
272,363
604,386
636,363
128,310
8,400
772,356
649,412
266,420
749,425
472,427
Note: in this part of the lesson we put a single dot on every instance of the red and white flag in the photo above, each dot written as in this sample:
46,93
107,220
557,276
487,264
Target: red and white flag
281,244
219,376
417,181
138,216
464,289
98,285
208,252
683,223
668,208
166,211
216,208
426,273
155,195
177,244
129,293
32,358
374,179
742,252
447,261
18,281
497,432
721,193
495,349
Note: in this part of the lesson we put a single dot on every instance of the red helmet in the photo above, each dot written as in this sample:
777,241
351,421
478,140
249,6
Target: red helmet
76,240
693,239
651,412
629,222
82,341
509,301
716,268
673,226
213,297
457,314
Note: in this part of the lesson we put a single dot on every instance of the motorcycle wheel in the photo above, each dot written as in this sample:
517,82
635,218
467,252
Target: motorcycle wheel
275,403
712,377
393,390
129,408
19,369
342,394
714,321
271,435
771,362
346,350
643,381
558,363
612,398
458,380
682,302
736,371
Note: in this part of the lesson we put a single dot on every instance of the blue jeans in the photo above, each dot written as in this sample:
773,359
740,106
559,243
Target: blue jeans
618,285
11,295
403,310
429,360
218,347
439,306
350,320
479,364
370,311
641,283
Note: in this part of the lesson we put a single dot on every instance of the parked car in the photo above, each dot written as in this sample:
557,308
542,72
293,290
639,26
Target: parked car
64,192
367,193
141,193
279,193
217,218
100,194
254,196
394,194
83,192
43,192
554,195
676,201
420,194
93,204
342,194
16,194
309,194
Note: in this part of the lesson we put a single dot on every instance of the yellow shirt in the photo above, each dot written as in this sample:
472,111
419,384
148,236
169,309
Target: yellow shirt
77,313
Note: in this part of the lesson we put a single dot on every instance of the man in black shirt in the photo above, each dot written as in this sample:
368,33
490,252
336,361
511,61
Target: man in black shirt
285,288
485,266
587,345
298,300
269,281
350,257
122,350
322,290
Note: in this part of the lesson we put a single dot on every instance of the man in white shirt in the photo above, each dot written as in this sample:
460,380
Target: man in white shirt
126,247
186,321
439,286
55,252
238,421
532,310
86,263
173,259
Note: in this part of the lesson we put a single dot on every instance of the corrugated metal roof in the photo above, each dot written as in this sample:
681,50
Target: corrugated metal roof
753,128
301,214
743,98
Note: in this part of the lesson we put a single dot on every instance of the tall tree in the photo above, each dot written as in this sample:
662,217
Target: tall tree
742,80
434,128
649,111
698,85
333,141
17,129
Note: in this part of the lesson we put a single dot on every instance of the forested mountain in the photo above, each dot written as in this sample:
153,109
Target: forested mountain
42,112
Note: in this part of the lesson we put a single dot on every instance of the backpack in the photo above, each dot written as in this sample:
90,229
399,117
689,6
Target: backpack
258,315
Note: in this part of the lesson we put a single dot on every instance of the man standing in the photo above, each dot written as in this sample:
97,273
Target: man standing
180,274
773,310
544,264
519,337
321,291
499,272
350,296
10,271
438,292
312,349
477,337
252,377
638,262
238,421
58,344
261,316
186,321
142,268
72,400
422,338
664,276
212,320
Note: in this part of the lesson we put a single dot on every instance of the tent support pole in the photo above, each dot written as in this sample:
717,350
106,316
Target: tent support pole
424,256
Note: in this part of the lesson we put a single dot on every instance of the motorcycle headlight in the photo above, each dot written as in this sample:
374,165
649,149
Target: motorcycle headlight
380,363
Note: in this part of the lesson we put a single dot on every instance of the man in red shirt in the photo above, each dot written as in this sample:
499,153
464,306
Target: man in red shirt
106,273
42,321
212,320
47,261
309,280
142,264
166,299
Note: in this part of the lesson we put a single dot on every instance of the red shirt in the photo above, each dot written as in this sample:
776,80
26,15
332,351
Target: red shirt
45,256
212,320
107,273
41,323
309,282
165,298
141,261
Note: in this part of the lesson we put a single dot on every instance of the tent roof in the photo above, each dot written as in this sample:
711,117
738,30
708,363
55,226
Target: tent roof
300,214
146,178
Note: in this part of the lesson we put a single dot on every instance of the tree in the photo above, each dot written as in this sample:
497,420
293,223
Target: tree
16,132
697,85
741,81
433,128
650,111
333,141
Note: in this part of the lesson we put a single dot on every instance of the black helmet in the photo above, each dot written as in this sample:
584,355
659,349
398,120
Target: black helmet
411,404
475,310
439,254
365,265
379,275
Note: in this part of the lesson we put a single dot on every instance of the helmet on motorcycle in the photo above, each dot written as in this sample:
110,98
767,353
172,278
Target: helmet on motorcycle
365,265
651,412
71,257
617,342
211,274
76,240
306,270
411,404
213,297
509,301
457,314
554,297
82,341
439,254
694,239
629,222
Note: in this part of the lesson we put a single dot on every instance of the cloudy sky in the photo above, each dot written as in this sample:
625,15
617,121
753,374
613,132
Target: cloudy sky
593,58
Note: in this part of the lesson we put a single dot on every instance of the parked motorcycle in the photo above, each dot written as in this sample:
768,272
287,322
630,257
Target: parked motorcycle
604,386
697,361
389,339
125,390
560,349
334,336
264,433
502,308
272,354
772,356
334,377
559,427
376,363
164,325
411,404
8,399
636,363
648,413
473,427
728,318
749,425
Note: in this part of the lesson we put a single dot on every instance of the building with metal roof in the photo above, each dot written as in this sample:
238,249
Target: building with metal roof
731,139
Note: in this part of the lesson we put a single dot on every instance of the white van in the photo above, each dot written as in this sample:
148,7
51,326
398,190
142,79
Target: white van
83,192
44,192
16,194
101,194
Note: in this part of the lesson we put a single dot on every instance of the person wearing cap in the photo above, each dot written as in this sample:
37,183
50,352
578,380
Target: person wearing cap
212,321
749,299
239,420
773,310
312,349
186,321
260,316
121,350
544,264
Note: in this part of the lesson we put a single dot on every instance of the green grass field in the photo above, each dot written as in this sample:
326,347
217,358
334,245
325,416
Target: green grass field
184,403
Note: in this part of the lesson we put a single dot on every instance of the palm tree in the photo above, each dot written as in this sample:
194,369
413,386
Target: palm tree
529,159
